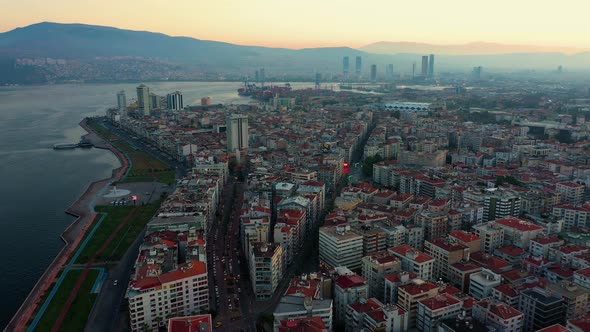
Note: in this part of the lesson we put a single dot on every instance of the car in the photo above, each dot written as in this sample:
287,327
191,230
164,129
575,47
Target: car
218,324
116,282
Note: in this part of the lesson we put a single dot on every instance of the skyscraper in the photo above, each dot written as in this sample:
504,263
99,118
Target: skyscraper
262,76
345,67
143,99
373,73
431,66
174,101
358,67
155,103
425,66
121,101
389,71
237,132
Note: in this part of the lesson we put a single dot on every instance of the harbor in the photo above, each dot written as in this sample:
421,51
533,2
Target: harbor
82,144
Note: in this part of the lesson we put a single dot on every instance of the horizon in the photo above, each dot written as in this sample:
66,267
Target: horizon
309,24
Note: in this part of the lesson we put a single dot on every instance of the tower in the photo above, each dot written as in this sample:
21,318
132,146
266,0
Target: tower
121,101
425,66
389,71
143,99
431,66
358,67
237,132
373,73
345,67
318,78
174,101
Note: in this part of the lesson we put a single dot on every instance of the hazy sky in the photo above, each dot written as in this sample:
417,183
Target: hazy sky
310,23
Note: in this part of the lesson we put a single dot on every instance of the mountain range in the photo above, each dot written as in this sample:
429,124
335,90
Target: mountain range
112,54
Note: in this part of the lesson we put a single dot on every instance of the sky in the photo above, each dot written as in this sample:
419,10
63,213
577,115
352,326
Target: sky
314,23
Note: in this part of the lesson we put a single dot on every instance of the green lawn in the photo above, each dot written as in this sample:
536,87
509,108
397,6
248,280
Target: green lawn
145,168
75,319
115,215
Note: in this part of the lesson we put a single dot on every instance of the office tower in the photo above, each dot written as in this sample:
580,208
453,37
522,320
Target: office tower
155,102
413,70
121,101
143,99
318,78
373,73
425,66
476,73
174,101
262,76
256,76
389,71
358,67
237,132
431,66
500,204
541,308
345,67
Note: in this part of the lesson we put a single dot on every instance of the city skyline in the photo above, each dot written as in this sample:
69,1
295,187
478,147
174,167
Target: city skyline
437,23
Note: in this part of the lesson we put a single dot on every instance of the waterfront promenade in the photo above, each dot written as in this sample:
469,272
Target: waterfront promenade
83,210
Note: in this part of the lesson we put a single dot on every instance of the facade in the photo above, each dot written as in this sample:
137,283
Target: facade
571,193
467,239
392,283
459,274
540,308
174,101
431,66
575,298
373,73
266,268
499,315
143,100
518,232
237,132
372,315
339,246
500,204
424,67
491,235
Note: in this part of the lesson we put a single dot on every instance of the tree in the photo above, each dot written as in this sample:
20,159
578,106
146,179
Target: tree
369,162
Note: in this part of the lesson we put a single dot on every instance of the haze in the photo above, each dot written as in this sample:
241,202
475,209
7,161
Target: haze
313,23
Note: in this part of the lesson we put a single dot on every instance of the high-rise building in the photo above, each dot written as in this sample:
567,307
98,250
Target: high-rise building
121,101
541,309
339,246
143,99
476,73
266,268
425,66
262,76
358,66
373,73
500,204
174,101
155,102
345,67
389,71
431,66
237,132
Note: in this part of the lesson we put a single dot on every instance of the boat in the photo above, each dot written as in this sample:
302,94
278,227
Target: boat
63,146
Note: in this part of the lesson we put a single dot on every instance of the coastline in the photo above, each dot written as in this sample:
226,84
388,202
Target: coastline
83,209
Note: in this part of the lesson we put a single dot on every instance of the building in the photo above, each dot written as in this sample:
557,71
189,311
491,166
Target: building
155,101
470,240
575,298
237,132
539,246
482,283
392,283
197,323
143,100
431,66
459,274
358,67
154,294
345,67
500,204
500,315
579,325
295,307
571,193
424,68
121,101
445,252
410,294
375,268
540,308
491,235
266,268
348,289
340,246
414,261
174,101
518,232
582,277
372,315
304,324
373,73
432,310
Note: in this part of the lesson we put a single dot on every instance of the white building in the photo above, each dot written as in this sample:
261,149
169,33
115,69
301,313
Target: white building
266,268
414,261
292,307
432,310
348,289
340,246
154,295
143,100
174,101
237,132
482,283
121,101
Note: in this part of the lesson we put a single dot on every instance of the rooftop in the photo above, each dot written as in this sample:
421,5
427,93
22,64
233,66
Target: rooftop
418,286
350,281
198,323
518,224
464,236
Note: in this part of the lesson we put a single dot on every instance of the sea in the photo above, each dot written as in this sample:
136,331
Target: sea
37,183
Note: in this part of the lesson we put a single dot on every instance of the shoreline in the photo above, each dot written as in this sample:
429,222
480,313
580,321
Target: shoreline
83,210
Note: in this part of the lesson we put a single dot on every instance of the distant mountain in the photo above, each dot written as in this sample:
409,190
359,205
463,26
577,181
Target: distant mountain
477,48
98,53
